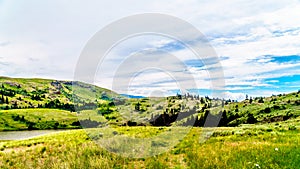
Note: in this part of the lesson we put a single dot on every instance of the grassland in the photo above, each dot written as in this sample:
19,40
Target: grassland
263,132
41,118
24,119
274,145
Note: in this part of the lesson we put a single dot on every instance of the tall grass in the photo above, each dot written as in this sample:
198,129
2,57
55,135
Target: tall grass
241,147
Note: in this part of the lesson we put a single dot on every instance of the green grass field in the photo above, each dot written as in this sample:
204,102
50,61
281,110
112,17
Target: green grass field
274,145
22,119
39,119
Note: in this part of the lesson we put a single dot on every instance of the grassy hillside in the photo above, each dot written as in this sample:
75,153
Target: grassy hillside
99,107
18,93
265,110
193,110
51,104
249,146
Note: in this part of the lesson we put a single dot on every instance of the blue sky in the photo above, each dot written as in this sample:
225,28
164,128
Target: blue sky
257,42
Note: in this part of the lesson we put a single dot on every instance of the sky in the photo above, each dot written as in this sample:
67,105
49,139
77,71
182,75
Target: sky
257,43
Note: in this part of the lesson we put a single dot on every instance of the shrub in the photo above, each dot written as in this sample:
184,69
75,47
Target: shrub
114,132
261,100
251,119
269,129
267,110
276,107
43,149
292,127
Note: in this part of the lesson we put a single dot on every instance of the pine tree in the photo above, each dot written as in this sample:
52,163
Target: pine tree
15,105
261,100
137,106
2,98
6,101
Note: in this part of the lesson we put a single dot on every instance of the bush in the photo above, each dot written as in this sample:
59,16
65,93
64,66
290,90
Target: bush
251,119
43,150
261,100
276,107
269,129
115,133
292,128
267,110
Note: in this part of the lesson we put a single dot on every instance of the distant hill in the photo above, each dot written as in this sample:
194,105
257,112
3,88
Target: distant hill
194,110
132,96
263,109
20,93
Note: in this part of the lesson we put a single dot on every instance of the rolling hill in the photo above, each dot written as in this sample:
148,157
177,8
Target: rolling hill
45,93
48,104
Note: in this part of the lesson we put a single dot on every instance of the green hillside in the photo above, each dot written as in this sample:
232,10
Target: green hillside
192,110
18,93
51,104
36,104
264,110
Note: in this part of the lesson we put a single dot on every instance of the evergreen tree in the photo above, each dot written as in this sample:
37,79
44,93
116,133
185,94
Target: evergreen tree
2,98
137,106
251,119
261,100
6,101
15,105
224,119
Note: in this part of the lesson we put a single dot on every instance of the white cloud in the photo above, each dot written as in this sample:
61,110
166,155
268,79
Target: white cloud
235,96
46,37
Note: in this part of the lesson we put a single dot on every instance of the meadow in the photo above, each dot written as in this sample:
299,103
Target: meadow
41,119
274,145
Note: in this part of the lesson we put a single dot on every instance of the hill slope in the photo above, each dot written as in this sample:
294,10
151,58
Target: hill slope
45,93
48,104
193,110
98,106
